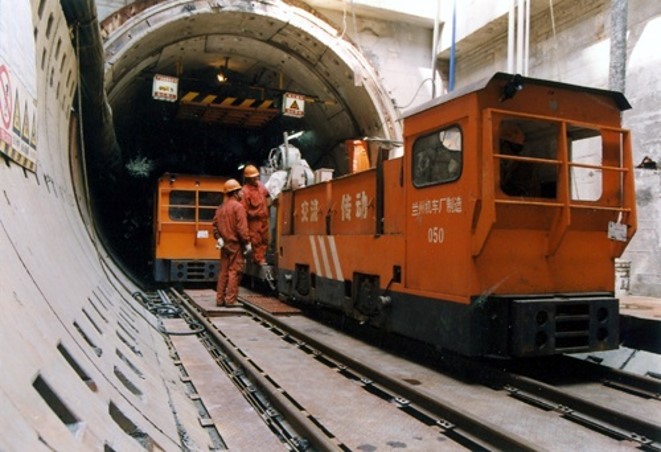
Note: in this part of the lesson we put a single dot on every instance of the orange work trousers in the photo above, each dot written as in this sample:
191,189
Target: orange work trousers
259,239
231,271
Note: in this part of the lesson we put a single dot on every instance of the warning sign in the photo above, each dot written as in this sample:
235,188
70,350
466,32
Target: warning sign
293,105
17,122
18,85
165,88
5,97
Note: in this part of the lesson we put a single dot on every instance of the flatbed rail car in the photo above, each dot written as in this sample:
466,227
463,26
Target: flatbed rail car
466,246
184,246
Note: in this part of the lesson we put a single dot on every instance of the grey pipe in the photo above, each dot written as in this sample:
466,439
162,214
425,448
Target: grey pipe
618,52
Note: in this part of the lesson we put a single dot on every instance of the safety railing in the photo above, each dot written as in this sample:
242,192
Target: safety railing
493,196
164,217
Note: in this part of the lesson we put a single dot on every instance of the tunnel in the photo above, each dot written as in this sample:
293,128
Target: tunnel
234,63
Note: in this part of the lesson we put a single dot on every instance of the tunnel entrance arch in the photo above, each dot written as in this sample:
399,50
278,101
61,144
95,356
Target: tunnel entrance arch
264,48
272,46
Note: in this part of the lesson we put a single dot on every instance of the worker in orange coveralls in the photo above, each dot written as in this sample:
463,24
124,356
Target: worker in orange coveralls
256,201
230,229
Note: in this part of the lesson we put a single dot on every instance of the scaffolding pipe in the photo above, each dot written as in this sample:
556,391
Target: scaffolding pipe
618,52
434,49
452,47
519,37
526,38
510,39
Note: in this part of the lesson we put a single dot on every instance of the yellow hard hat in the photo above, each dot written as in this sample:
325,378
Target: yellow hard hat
511,133
231,185
250,171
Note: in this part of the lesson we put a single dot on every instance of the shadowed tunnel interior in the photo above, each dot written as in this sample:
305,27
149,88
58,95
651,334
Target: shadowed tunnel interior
233,62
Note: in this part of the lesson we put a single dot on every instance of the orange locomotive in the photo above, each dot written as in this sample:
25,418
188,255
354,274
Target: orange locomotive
184,246
494,234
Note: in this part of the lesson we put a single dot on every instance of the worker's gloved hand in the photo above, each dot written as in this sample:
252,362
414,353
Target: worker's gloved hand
248,248
219,243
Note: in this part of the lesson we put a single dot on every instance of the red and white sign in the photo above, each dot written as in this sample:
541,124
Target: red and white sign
165,88
5,98
18,123
18,85
293,105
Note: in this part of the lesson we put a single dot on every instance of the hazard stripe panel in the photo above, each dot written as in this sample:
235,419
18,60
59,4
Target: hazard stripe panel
17,157
325,257
232,111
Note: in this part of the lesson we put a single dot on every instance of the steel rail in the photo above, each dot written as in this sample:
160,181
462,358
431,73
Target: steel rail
641,430
474,426
599,417
299,420
620,379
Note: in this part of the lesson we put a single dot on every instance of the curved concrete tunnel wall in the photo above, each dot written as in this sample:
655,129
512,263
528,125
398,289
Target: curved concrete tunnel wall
83,365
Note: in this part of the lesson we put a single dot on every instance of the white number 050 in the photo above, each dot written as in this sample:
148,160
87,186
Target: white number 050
435,235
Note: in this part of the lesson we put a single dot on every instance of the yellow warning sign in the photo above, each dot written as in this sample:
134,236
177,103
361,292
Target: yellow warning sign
25,132
293,105
17,115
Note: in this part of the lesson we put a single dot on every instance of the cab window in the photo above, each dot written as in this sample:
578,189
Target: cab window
209,202
437,157
528,153
183,208
585,147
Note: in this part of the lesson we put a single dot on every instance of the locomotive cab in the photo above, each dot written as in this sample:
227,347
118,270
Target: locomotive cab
184,246
494,234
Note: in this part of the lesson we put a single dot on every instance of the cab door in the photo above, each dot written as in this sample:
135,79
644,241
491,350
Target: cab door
436,212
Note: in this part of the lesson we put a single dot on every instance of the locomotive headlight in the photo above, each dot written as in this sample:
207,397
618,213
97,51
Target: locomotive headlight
542,317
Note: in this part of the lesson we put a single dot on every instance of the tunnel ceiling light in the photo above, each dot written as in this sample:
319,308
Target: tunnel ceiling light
291,136
222,75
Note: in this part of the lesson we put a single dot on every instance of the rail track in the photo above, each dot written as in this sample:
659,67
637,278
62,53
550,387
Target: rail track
316,388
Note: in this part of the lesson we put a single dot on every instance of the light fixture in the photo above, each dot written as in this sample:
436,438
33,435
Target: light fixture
295,134
222,75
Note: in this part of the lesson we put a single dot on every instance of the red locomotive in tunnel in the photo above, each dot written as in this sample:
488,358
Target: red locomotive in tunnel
494,234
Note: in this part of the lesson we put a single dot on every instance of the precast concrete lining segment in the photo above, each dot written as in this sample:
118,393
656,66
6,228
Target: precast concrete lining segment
330,60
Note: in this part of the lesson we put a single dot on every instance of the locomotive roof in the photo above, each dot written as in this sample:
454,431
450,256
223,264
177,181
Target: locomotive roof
617,97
